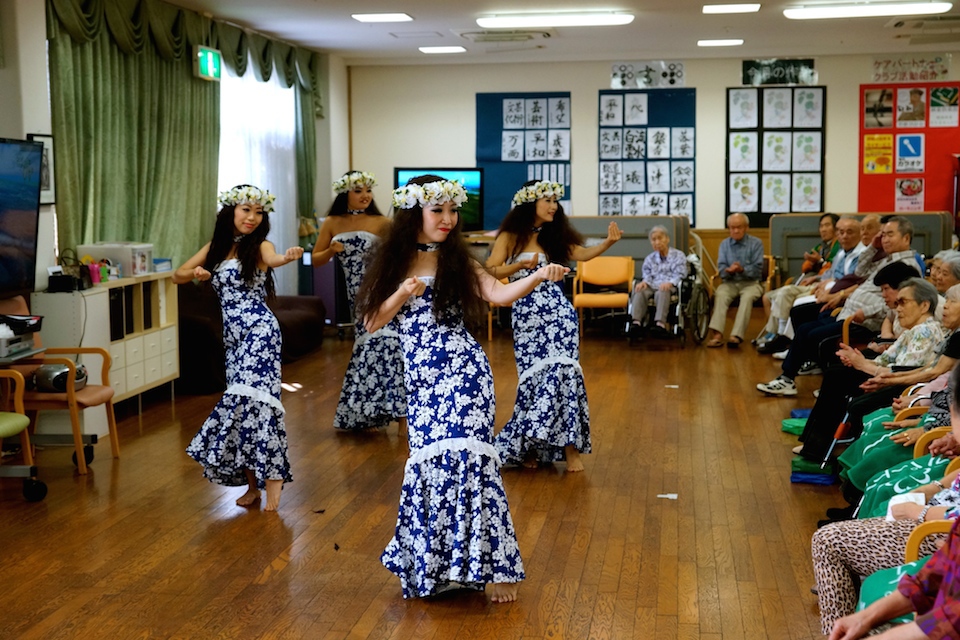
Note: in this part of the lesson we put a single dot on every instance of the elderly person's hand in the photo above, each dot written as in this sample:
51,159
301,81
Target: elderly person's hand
946,446
640,286
907,438
906,511
850,356
665,286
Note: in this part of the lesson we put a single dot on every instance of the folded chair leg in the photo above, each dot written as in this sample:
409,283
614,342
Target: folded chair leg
838,435
78,440
112,425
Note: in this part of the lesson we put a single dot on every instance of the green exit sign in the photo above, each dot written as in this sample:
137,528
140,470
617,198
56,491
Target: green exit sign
207,63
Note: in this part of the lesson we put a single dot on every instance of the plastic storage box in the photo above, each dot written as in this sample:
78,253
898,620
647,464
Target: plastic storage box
134,258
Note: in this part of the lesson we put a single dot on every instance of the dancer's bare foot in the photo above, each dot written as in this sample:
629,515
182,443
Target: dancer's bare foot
574,463
274,487
504,591
530,461
249,498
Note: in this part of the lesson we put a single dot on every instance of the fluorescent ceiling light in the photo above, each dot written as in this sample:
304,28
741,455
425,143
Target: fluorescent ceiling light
442,50
731,42
381,17
556,19
867,10
731,8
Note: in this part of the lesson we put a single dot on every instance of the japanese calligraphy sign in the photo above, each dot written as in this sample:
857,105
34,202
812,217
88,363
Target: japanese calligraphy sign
920,67
647,150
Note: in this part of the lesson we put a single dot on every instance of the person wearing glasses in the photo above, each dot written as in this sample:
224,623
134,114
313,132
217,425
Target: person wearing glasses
916,305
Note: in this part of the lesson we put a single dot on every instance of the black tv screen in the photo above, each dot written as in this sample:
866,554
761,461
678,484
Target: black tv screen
471,213
20,162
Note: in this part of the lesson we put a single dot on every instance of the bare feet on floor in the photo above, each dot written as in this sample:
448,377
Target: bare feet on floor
274,487
574,462
249,498
504,591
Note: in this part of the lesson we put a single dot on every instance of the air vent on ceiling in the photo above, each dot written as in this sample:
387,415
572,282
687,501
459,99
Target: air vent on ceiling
926,24
505,36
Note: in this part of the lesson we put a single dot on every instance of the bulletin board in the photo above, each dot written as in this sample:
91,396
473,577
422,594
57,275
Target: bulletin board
647,152
776,142
521,137
908,135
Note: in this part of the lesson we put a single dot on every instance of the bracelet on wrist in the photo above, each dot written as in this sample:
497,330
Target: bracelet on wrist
923,514
939,484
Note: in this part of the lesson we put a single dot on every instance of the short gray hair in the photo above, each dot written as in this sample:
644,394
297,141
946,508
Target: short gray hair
923,291
952,263
953,293
658,228
746,220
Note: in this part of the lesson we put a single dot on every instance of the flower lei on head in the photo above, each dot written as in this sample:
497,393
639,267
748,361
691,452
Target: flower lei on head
354,179
409,196
247,195
536,191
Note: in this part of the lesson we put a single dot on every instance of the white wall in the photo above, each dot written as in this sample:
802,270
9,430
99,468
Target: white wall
418,115
333,131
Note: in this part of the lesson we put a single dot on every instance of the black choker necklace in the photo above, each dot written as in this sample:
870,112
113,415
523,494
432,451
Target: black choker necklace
356,212
430,246
237,239
538,229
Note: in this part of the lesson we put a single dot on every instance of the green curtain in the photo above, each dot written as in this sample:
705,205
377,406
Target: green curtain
137,136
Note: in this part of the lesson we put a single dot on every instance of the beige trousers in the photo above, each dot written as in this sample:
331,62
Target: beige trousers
727,292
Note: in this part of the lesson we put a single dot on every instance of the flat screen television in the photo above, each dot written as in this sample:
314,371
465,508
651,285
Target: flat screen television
471,213
20,167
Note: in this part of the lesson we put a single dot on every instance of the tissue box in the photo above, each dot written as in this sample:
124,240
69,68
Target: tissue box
15,345
133,258
162,264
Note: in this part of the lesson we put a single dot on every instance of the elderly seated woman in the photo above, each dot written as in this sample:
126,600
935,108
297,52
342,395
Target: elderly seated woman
845,550
916,304
663,269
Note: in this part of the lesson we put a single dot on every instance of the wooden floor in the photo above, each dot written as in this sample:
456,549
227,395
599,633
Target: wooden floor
144,547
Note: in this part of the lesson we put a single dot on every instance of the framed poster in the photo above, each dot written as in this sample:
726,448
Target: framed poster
48,191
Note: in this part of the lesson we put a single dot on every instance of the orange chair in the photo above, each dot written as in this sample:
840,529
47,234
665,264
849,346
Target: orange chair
614,274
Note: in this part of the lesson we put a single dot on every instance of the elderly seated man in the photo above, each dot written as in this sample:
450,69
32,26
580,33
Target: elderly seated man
663,269
740,263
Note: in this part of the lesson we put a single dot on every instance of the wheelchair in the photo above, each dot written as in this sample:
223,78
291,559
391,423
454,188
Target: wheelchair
689,307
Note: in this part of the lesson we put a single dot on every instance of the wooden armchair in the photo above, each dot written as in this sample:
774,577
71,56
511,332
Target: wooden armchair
14,421
92,395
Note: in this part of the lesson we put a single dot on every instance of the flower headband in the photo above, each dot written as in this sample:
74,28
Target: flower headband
247,195
536,191
354,179
409,196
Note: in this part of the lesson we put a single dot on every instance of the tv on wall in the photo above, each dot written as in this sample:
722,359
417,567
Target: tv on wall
471,213
20,167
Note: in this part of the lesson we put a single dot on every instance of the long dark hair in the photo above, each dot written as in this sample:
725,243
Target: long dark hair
456,283
339,206
248,249
556,238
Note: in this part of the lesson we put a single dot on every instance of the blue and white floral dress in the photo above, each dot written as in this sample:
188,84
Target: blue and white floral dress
372,394
245,430
454,523
551,410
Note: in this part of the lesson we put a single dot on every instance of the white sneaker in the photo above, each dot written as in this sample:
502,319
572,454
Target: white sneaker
779,387
781,355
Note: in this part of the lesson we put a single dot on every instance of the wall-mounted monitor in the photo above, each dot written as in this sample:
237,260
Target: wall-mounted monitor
20,168
471,213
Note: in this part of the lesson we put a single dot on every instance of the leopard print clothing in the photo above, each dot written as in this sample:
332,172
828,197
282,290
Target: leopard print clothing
844,551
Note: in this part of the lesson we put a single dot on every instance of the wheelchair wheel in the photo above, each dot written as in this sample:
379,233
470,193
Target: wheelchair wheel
698,310
34,490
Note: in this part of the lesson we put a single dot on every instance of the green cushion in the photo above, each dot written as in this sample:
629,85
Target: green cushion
793,425
12,423
802,465
884,582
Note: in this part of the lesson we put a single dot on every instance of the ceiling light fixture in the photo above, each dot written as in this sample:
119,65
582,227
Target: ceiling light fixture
731,8
442,50
381,17
556,19
867,10
730,42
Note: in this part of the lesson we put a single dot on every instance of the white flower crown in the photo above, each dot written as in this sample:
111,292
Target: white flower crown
409,196
536,191
354,179
247,195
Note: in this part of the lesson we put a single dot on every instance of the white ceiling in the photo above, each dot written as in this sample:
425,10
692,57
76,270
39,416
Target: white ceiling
662,30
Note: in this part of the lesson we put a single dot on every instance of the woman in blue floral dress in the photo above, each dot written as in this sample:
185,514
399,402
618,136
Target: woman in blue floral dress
372,393
244,440
551,420
453,527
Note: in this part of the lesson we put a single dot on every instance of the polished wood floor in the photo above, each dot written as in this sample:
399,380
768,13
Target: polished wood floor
144,547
